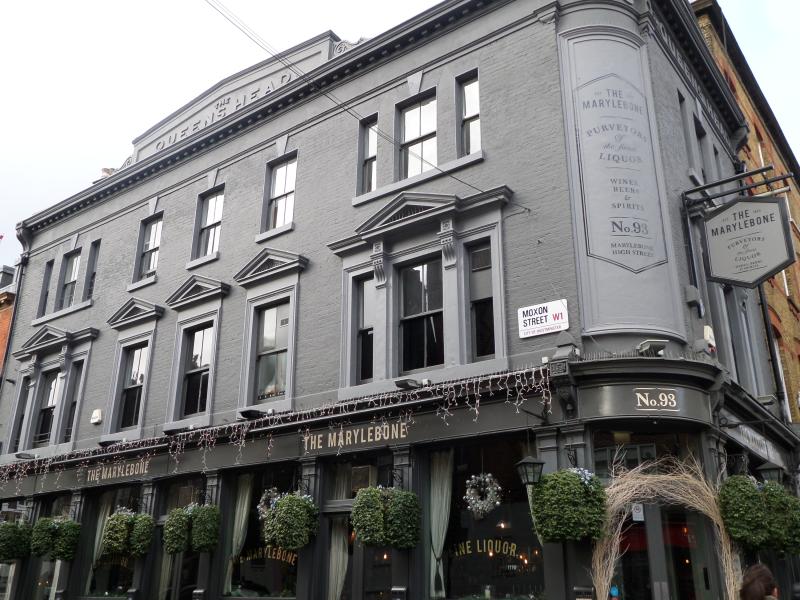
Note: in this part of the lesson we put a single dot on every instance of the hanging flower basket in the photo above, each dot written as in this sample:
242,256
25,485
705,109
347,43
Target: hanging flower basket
742,508
386,517
117,531
15,540
483,494
176,531
402,519
205,527
569,505
43,536
194,527
141,535
367,516
66,542
288,520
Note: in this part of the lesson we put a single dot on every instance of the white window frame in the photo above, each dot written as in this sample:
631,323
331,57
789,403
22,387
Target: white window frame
137,266
62,280
461,82
423,241
261,296
130,338
192,318
404,144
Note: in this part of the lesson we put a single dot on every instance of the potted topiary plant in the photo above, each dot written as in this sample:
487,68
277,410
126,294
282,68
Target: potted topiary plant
569,505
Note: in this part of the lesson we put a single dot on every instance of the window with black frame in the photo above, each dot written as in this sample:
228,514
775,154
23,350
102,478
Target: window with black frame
256,569
421,316
111,574
494,556
197,365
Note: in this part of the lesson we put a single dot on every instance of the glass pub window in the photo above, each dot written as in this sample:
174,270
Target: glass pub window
418,150
50,388
151,242
481,303
470,117
273,347
72,263
280,208
366,311
133,381
195,379
421,315
211,224
369,167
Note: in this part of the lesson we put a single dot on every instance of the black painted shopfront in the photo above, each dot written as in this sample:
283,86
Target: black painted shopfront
594,421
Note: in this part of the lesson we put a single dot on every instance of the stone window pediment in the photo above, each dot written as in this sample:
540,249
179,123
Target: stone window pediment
51,339
135,311
197,289
269,264
406,209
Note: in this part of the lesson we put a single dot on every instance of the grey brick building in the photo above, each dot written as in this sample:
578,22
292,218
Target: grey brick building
326,272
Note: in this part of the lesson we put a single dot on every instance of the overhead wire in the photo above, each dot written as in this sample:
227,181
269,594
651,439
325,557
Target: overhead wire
264,45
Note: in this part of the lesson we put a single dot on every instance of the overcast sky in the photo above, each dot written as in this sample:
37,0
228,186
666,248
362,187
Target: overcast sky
83,78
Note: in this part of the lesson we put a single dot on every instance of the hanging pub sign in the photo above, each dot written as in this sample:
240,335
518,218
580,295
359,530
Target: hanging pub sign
747,241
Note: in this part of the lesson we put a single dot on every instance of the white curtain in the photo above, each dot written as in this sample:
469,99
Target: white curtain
165,576
337,564
441,491
241,516
103,512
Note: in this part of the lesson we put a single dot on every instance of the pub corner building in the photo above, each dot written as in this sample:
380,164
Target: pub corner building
408,262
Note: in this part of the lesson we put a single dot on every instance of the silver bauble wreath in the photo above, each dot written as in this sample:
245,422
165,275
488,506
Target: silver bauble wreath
483,494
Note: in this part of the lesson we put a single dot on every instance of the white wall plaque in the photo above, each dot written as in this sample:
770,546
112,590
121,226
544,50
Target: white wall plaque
748,241
543,318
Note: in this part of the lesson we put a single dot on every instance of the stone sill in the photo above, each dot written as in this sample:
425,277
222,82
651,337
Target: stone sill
435,173
63,312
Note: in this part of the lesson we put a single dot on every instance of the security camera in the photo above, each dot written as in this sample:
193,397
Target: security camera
652,347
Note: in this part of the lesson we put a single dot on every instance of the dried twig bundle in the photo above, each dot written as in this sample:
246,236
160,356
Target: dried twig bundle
670,481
